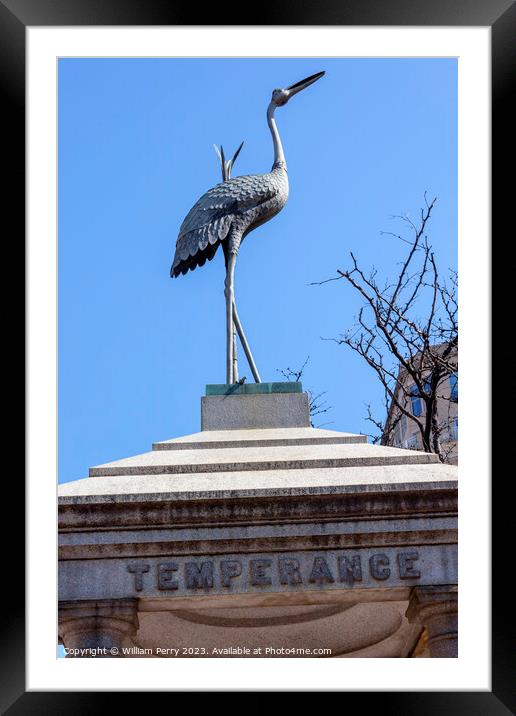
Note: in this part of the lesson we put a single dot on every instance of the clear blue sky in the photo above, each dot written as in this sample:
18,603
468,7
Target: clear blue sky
136,348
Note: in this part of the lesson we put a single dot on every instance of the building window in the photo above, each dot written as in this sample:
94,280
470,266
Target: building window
417,406
454,386
453,429
411,442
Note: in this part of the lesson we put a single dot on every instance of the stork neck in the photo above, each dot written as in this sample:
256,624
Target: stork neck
279,157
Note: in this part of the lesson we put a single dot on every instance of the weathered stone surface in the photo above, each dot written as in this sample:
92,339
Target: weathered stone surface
345,630
274,410
264,437
263,483
289,457
204,542
180,576
99,628
435,607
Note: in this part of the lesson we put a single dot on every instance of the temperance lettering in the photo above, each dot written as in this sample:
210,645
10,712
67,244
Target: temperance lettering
279,572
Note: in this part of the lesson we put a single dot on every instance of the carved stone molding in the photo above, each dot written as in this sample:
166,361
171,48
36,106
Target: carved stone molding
98,628
436,609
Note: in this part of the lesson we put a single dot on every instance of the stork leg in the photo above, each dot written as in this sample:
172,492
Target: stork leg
235,351
245,346
230,298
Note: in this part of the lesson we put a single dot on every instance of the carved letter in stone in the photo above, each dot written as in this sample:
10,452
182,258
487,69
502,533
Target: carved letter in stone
257,567
199,577
138,571
166,577
321,573
406,566
229,568
378,564
350,570
289,571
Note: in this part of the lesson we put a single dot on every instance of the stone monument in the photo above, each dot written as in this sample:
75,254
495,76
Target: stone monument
260,536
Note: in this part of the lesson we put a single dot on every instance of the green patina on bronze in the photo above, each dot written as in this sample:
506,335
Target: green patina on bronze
253,388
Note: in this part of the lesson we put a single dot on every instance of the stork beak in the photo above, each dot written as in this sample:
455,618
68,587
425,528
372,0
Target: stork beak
294,89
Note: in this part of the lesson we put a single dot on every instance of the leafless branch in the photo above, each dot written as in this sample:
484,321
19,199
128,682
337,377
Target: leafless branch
318,406
407,332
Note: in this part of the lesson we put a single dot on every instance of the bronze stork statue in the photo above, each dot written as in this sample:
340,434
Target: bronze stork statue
225,215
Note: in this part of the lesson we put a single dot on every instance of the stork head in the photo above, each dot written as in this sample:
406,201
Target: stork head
282,96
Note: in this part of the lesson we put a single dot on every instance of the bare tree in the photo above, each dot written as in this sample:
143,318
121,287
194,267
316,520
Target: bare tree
407,328
318,405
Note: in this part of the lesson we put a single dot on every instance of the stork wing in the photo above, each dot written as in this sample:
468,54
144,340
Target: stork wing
209,221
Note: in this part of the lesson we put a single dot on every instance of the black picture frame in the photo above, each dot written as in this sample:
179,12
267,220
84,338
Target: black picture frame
500,15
